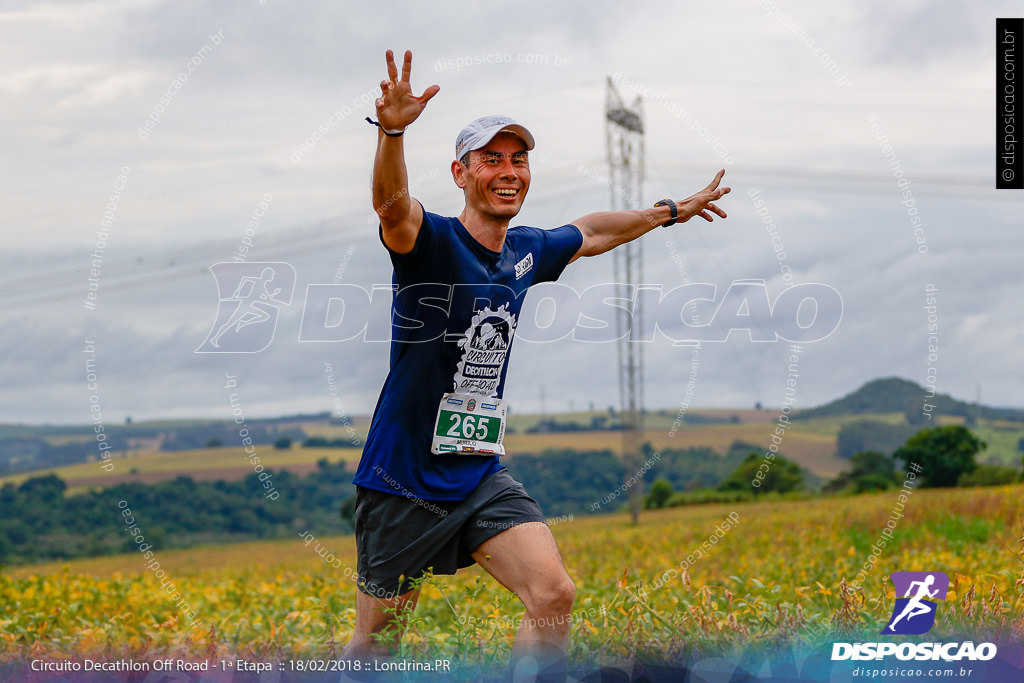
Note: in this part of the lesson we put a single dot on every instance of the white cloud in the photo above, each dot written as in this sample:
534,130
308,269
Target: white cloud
81,78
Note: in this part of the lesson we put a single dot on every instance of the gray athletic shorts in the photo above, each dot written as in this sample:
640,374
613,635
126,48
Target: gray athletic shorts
398,536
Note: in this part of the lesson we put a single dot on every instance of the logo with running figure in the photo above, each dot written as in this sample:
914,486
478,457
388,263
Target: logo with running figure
485,347
914,613
247,317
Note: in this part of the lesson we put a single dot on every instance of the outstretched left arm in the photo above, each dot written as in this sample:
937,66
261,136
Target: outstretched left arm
605,230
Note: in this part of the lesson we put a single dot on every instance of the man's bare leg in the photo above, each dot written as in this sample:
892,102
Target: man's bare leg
525,559
376,616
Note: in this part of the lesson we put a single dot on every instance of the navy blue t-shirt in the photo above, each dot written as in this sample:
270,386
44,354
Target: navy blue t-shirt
453,295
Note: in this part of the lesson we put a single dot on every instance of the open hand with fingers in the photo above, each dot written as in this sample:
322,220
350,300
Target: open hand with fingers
397,107
700,204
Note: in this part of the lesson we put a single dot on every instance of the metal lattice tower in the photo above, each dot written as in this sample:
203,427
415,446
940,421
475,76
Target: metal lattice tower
625,141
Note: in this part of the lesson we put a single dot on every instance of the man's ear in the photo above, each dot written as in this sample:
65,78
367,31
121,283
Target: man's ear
459,174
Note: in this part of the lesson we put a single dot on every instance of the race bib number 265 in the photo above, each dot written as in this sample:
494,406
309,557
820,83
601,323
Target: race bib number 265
469,424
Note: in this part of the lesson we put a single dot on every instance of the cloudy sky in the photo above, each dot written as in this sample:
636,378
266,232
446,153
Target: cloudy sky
196,122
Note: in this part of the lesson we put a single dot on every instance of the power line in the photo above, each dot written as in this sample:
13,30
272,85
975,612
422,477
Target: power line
193,260
141,271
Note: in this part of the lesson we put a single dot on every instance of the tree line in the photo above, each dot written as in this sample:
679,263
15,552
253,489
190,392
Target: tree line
947,457
39,522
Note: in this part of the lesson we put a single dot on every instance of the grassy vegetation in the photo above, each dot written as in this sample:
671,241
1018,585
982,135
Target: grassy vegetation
780,577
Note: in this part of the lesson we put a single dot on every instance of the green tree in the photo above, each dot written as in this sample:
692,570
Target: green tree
872,482
872,462
944,453
872,471
283,444
49,488
15,531
778,475
661,491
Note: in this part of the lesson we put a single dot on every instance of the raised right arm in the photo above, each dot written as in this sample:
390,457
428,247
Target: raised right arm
397,107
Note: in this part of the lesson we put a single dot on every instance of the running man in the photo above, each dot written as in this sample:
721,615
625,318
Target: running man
437,429
914,606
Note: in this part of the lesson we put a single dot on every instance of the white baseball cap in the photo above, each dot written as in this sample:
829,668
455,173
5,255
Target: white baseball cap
478,133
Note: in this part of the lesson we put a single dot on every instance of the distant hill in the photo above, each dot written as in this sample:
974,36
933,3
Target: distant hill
897,395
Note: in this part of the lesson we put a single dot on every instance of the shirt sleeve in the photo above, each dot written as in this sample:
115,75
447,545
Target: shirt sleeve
423,250
558,246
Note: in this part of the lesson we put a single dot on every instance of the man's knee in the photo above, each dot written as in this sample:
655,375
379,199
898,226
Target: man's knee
554,597
567,594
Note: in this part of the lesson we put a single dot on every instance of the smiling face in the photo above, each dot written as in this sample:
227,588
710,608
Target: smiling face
497,179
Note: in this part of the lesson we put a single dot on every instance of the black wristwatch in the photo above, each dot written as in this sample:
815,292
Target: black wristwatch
672,208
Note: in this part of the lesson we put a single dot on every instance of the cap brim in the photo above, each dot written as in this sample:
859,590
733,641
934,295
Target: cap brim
521,132
515,129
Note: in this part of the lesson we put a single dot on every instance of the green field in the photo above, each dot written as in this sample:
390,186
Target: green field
1003,439
783,577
